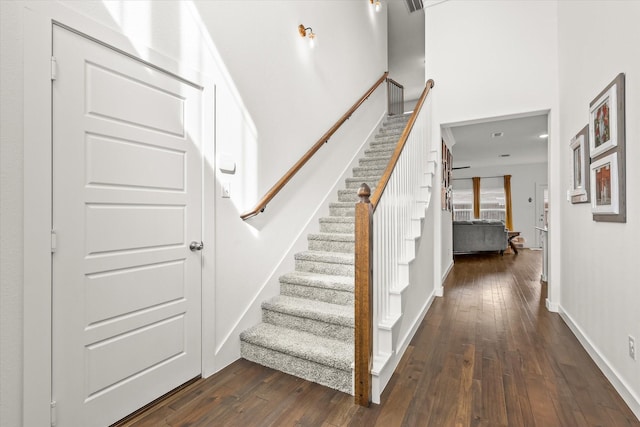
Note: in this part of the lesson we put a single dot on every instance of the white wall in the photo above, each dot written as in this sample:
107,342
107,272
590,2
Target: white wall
276,100
492,59
11,216
600,290
523,186
293,94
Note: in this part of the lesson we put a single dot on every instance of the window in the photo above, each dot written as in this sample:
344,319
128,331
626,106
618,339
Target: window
462,204
492,199
462,193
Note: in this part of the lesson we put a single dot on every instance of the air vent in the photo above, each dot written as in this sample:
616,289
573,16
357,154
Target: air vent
497,134
504,155
414,5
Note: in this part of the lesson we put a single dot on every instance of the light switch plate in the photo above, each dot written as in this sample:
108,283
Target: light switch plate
226,190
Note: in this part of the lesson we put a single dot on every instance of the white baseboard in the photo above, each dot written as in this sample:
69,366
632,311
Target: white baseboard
627,394
551,306
448,270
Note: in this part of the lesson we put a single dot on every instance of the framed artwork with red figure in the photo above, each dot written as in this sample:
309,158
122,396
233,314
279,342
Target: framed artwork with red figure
607,152
605,113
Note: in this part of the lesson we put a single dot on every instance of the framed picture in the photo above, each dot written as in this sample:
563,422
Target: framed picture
447,162
580,173
606,118
605,191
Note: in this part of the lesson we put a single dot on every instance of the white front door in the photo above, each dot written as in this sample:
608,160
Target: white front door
127,202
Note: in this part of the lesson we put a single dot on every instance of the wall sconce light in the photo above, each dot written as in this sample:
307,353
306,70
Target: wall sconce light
303,33
376,4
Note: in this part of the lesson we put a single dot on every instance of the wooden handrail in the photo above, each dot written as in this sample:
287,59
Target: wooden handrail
363,288
262,204
384,180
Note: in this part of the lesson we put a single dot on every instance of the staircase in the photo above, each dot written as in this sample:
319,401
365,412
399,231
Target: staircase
308,330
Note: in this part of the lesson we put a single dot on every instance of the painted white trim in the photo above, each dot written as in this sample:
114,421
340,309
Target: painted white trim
493,119
37,221
447,135
551,306
446,273
39,18
625,391
381,377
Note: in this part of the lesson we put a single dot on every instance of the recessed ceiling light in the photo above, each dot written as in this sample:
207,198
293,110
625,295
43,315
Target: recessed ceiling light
504,155
544,135
497,134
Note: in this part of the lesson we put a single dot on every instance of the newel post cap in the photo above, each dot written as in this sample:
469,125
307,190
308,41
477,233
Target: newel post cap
364,192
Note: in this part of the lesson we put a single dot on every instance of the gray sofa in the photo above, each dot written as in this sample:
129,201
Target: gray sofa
479,236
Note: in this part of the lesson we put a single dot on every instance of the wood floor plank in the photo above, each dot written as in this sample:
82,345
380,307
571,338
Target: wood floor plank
486,354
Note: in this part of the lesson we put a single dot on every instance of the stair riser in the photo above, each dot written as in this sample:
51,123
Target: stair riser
384,143
328,376
316,327
325,268
317,294
374,161
337,227
331,246
380,151
359,171
350,195
355,184
391,130
343,211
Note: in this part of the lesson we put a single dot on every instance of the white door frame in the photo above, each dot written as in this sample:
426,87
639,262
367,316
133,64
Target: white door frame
39,18
539,210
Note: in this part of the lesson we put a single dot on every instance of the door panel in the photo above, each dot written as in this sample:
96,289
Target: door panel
127,201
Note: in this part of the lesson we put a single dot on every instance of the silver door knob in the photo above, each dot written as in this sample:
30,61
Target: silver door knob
196,246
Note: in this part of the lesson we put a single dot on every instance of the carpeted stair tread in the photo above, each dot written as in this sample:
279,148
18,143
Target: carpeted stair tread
347,209
381,147
333,289
332,242
328,257
334,237
381,151
341,224
360,171
323,262
337,219
304,278
355,183
349,195
303,345
316,310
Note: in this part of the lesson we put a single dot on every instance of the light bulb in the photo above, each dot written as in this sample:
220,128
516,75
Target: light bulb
378,5
312,39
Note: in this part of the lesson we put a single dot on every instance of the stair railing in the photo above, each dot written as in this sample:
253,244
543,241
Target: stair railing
395,97
262,204
383,224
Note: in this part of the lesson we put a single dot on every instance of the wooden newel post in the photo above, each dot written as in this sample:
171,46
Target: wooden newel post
363,296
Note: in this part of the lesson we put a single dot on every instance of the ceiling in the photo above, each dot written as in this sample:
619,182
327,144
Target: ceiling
474,145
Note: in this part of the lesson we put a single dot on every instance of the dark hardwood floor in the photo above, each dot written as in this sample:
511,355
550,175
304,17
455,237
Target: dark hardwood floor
487,354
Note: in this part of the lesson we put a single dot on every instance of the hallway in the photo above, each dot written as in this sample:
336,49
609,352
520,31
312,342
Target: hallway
487,354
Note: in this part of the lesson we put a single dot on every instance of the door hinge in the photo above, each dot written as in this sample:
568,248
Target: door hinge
54,413
54,241
54,68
